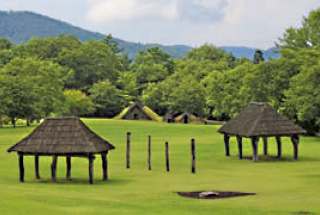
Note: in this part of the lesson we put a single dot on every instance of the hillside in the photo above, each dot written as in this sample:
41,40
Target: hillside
20,26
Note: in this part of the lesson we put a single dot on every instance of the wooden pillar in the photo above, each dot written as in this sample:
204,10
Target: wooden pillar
226,144
295,142
254,141
149,152
36,165
54,168
239,140
91,159
68,162
193,156
21,167
167,156
279,146
104,166
265,145
128,149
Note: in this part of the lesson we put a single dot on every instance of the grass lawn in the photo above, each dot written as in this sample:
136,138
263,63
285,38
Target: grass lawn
282,186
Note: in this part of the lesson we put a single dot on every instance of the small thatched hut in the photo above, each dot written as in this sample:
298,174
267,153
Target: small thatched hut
169,118
137,111
62,137
187,118
260,120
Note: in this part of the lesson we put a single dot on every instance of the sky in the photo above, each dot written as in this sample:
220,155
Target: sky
250,23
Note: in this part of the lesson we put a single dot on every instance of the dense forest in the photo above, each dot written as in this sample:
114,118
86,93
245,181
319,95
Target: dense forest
65,76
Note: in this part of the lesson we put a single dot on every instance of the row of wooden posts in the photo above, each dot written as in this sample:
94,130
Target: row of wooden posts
193,154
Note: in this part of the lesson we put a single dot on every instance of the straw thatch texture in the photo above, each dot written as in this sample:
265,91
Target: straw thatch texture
137,111
168,117
62,136
260,119
189,118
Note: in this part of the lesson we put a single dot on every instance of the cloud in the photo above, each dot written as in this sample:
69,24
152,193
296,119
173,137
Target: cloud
106,11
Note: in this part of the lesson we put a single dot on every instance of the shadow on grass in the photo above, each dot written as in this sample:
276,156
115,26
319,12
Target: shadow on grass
79,182
283,159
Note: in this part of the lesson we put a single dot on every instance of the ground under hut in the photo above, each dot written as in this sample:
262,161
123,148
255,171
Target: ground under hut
138,111
62,137
260,120
187,118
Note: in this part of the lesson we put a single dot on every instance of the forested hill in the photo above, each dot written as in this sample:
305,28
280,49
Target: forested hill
20,26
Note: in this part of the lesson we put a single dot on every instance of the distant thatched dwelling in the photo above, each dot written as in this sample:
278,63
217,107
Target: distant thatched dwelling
187,118
137,111
260,120
62,137
169,118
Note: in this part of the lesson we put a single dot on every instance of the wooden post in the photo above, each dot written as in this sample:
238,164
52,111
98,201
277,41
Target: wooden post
68,162
167,156
254,141
226,143
128,149
193,157
54,168
36,165
239,140
279,145
91,159
21,167
265,145
149,152
104,166
295,142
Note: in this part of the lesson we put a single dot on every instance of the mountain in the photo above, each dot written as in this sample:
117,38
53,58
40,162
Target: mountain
249,52
20,26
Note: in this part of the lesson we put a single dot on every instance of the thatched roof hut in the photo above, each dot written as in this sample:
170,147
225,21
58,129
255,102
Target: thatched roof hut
187,118
260,120
63,136
137,111
169,118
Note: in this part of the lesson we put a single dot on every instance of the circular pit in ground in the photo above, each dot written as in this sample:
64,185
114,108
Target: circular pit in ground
212,194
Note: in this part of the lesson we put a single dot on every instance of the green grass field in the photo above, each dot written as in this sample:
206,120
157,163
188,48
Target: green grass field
282,186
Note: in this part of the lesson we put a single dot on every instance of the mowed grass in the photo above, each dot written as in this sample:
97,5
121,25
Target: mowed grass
282,186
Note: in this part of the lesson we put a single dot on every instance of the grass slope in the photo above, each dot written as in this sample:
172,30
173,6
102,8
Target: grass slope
283,187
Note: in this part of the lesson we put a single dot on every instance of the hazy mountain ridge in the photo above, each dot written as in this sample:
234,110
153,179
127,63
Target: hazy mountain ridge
20,26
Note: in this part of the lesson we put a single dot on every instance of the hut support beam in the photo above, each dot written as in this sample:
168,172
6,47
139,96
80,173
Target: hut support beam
295,142
21,167
54,168
68,163
254,141
91,159
226,143
265,145
104,166
279,146
239,140
36,165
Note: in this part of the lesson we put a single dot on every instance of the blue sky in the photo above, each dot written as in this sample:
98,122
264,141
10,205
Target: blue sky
252,23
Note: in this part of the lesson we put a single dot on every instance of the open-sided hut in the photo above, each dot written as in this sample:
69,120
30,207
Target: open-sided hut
260,120
62,137
169,118
187,118
137,111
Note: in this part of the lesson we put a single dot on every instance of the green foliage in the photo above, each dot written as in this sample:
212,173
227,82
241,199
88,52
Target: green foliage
258,57
209,52
76,103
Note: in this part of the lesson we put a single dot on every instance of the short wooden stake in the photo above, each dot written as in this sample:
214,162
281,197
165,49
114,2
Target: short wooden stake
68,163
36,165
193,156
279,146
128,149
104,166
295,142
91,159
265,145
149,152
54,168
167,156
254,141
239,140
226,143
21,167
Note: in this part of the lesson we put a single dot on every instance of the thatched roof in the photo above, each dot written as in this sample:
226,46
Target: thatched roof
168,117
146,111
260,119
62,136
191,118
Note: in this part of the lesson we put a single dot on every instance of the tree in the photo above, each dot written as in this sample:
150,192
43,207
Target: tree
107,99
76,103
258,57
210,52
5,43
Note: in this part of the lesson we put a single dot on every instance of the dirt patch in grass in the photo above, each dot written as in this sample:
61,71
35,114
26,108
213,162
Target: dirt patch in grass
212,194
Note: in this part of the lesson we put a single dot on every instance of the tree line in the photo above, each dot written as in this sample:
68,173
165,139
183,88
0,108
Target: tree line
64,76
